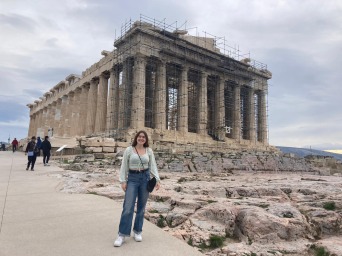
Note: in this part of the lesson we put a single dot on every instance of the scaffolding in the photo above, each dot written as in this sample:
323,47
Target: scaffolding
243,94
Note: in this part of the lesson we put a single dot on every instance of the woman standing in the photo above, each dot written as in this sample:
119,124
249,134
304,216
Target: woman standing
137,164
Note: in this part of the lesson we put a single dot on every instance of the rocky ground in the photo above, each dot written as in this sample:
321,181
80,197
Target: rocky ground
231,212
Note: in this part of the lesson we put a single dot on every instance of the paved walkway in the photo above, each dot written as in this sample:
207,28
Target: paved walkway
38,220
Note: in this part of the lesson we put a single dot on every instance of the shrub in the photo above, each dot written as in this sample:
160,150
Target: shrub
330,206
160,222
320,251
190,241
216,241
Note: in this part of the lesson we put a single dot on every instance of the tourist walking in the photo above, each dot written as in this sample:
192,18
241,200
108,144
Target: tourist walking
14,145
31,151
39,144
138,164
46,148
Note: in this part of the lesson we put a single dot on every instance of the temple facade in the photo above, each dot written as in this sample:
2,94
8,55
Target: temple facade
180,88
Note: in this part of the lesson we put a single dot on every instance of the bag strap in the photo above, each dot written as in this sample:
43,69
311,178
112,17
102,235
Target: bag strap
139,157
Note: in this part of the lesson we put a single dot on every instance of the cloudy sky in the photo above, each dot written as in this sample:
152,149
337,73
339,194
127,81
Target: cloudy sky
44,41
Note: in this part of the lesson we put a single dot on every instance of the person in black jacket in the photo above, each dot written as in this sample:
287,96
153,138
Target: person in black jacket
46,148
31,151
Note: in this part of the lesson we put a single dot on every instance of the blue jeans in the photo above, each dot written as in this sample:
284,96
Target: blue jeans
136,187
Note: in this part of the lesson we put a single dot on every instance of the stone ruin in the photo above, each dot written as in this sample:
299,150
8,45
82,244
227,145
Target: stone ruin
183,89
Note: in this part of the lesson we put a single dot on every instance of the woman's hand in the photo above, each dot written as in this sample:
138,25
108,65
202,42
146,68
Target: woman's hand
157,186
124,186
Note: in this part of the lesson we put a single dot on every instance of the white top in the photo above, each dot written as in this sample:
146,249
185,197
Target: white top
131,161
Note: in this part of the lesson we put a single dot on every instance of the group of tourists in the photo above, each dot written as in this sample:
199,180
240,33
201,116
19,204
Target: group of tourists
33,149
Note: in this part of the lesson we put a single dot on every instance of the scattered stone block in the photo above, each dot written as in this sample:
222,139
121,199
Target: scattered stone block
108,149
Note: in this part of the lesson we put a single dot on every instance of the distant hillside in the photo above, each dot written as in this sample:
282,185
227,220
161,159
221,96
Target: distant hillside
302,152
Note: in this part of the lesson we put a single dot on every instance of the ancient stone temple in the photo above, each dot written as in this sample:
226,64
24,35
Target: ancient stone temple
182,89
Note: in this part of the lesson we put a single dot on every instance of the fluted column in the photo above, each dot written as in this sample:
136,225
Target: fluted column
203,105
69,114
113,100
63,119
124,96
138,94
52,118
183,102
35,129
75,117
92,103
31,128
46,119
262,115
40,123
160,97
101,104
237,113
83,110
58,118
251,116
219,109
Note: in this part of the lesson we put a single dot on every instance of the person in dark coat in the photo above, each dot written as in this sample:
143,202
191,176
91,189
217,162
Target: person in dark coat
31,151
39,143
46,148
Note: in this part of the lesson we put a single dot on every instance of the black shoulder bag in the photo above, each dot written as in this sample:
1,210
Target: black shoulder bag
152,182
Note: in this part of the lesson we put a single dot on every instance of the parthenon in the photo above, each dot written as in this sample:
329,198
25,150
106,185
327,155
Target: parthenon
180,88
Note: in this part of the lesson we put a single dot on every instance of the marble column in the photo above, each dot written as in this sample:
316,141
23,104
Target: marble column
237,113
123,97
75,118
92,103
219,110
160,97
203,105
69,114
101,104
46,112
138,94
251,116
52,118
182,124
36,120
58,118
40,129
31,128
83,110
63,117
113,100
262,117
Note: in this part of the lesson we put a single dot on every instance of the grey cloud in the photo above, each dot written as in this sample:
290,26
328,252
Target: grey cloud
10,110
18,22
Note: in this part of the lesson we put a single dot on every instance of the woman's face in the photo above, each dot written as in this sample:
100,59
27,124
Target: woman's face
141,139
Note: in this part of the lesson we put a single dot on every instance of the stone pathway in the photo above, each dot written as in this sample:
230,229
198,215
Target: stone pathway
38,220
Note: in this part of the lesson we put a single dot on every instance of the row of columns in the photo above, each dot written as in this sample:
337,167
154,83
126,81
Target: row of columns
87,111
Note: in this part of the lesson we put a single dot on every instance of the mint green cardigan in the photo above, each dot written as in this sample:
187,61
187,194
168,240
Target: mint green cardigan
152,165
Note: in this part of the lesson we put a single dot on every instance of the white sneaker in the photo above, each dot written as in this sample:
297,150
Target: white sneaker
137,238
119,241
